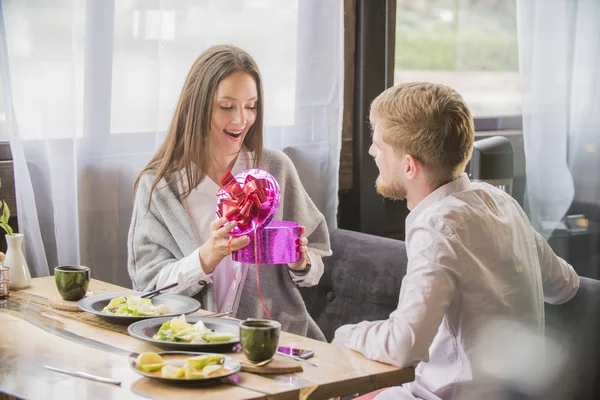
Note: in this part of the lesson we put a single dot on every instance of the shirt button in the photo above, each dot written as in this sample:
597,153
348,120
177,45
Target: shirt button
202,282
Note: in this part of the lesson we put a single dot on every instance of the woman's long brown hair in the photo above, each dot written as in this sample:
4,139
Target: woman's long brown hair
188,144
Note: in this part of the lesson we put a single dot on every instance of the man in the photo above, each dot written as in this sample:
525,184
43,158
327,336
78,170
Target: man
473,257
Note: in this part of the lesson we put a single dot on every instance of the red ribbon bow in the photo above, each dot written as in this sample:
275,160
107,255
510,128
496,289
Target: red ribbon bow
249,203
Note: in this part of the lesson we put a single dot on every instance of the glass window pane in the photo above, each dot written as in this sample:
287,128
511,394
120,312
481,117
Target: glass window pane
4,135
156,43
469,45
46,66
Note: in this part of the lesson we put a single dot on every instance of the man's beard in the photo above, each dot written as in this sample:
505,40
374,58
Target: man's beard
395,191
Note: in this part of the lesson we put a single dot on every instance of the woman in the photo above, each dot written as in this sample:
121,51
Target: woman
174,237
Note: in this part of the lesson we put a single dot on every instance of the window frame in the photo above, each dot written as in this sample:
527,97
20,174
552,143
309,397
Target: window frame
373,52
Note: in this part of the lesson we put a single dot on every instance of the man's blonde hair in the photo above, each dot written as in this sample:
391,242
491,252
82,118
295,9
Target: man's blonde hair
429,121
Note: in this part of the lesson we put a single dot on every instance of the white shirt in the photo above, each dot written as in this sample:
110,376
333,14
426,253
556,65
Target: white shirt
473,258
201,205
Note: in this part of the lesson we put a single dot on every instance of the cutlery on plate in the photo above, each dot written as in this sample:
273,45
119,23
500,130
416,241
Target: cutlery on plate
157,291
85,375
314,364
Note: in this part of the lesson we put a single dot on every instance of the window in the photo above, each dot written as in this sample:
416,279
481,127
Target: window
3,118
45,66
156,42
469,45
128,64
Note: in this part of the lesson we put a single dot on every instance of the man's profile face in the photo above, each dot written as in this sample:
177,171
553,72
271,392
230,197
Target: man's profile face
389,183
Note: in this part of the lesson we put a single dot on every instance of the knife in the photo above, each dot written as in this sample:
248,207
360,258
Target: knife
85,375
216,315
297,358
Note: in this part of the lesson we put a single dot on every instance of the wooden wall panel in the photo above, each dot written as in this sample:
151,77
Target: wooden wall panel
348,114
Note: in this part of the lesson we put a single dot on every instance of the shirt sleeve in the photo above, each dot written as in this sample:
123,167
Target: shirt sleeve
427,290
314,275
559,279
187,273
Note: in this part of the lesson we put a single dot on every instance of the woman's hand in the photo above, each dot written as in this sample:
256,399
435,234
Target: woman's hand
303,247
220,244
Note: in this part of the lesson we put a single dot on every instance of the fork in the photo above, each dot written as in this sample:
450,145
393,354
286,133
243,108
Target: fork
154,293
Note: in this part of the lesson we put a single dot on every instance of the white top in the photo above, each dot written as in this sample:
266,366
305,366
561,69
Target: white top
201,205
473,260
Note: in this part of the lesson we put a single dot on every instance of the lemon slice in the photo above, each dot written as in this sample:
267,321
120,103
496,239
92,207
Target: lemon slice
192,373
149,358
199,362
151,367
172,372
210,369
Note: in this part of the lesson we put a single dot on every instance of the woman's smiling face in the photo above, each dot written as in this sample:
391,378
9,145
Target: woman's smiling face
234,112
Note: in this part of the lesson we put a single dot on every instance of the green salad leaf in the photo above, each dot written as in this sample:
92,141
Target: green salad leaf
179,330
135,306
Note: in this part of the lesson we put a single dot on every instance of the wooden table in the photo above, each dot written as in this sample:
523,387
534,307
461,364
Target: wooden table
33,334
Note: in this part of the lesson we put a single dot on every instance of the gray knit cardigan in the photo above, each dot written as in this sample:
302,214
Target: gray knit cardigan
165,234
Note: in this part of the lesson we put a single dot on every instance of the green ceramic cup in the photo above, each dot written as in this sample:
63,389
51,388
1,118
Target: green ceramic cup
259,339
72,281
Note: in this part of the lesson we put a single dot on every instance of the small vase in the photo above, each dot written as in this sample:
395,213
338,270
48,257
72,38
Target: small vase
19,275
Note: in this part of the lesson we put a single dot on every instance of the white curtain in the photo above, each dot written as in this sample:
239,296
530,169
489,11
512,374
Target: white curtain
94,84
559,58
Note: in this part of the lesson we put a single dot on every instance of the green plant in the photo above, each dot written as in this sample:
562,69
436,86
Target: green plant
5,216
442,48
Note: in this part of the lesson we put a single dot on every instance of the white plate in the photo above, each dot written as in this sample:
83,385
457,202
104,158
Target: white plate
145,330
231,364
177,304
